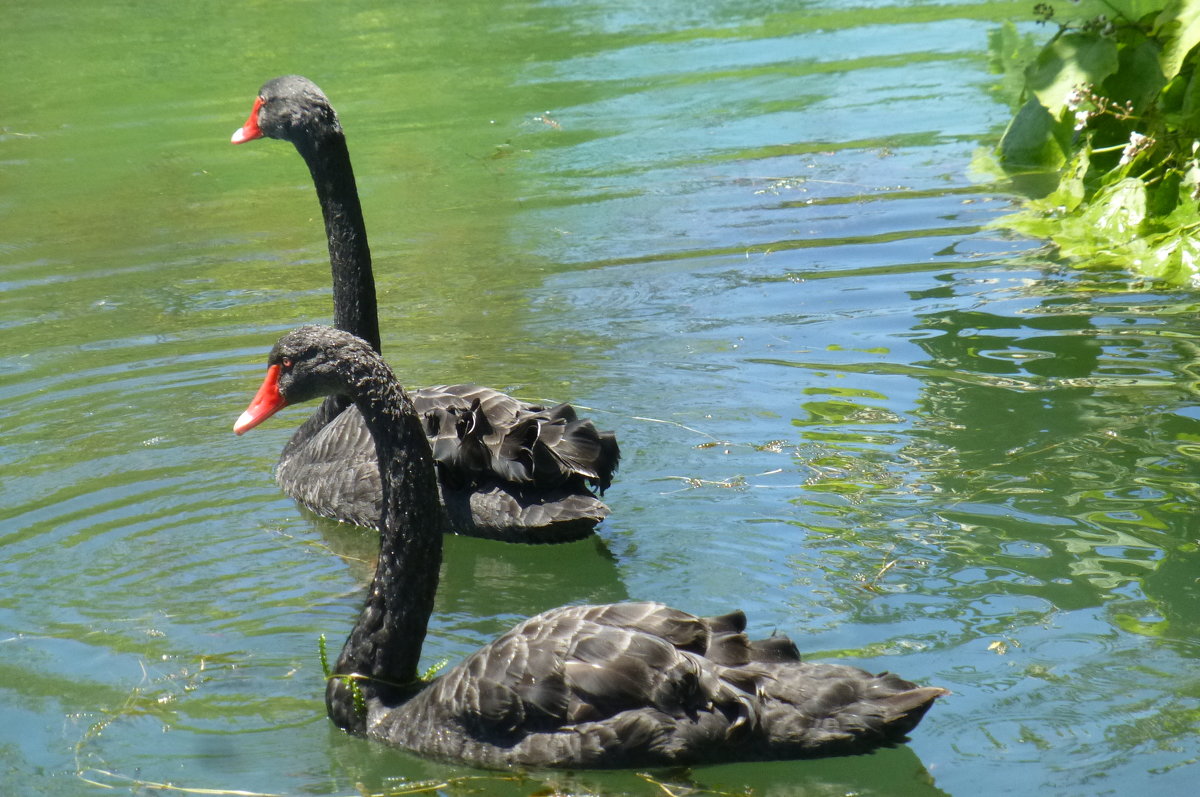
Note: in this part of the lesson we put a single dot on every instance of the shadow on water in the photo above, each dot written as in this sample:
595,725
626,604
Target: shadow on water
889,771
478,576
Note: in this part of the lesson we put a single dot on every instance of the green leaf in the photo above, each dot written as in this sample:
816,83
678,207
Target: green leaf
1174,256
1180,20
1163,196
1138,78
1117,211
1072,60
1033,225
1071,191
1029,142
1189,120
1132,10
1009,53
1190,183
1176,95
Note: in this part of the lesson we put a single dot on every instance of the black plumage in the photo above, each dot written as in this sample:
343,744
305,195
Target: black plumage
617,685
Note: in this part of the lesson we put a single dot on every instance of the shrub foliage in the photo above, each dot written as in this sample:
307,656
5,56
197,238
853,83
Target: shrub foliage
1110,108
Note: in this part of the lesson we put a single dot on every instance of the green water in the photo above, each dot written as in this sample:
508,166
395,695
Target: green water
741,234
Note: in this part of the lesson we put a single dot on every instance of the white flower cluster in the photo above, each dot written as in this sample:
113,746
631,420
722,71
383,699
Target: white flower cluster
1075,100
1137,144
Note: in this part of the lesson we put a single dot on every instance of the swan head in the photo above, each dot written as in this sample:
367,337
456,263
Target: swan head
307,363
292,108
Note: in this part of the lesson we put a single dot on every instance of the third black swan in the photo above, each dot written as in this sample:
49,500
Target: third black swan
507,469
615,685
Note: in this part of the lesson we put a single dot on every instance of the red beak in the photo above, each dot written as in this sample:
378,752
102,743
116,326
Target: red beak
250,130
266,402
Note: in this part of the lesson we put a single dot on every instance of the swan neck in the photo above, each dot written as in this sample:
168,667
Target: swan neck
385,645
354,308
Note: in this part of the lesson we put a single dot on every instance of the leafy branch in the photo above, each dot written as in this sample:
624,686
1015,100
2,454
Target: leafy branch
1109,110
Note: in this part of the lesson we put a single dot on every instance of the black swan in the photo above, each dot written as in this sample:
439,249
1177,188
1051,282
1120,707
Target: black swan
507,469
616,685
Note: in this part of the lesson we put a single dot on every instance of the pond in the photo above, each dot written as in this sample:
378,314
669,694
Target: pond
743,235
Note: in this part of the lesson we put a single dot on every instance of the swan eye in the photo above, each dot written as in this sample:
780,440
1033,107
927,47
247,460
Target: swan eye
287,362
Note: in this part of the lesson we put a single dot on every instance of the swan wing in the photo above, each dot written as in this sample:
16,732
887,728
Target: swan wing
332,470
526,444
581,665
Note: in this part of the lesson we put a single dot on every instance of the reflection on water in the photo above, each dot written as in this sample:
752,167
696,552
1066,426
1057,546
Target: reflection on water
740,234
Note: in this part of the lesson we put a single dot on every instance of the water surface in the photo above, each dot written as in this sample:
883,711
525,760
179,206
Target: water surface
743,235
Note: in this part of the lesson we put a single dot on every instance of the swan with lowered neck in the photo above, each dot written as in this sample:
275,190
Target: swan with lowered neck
507,469
616,685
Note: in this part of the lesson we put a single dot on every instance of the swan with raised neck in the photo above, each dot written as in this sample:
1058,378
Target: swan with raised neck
507,469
